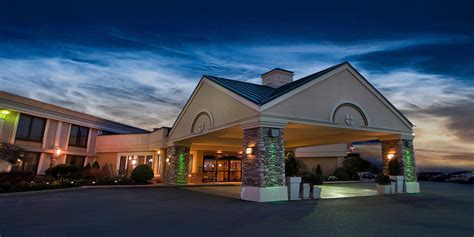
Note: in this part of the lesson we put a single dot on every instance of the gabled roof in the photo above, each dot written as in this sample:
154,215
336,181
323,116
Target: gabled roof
260,94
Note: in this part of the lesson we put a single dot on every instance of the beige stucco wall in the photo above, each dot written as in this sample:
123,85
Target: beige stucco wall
318,101
223,108
108,158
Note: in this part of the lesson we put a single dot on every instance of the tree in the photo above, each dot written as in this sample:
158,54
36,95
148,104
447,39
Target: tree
11,153
96,166
291,165
394,167
318,170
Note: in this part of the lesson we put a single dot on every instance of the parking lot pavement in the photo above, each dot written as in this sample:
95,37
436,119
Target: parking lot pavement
443,209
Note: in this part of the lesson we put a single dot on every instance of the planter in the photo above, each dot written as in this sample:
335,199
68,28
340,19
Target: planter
412,187
304,192
399,183
316,193
393,187
293,184
383,189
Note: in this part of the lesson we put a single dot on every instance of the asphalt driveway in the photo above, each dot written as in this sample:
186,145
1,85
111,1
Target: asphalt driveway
443,209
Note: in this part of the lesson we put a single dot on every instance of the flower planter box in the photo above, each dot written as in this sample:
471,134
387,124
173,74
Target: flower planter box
304,192
412,187
383,189
316,193
398,180
293,184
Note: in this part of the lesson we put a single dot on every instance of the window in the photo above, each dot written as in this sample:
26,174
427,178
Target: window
28,164
77,161
30,128
78,136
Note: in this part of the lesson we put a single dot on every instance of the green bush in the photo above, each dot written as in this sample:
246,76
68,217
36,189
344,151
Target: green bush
318,170
291,165
61,170
382,179
87,167
95,166
394,167
141,174
341,174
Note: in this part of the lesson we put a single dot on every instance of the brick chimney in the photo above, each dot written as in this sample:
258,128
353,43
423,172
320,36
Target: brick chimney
277,77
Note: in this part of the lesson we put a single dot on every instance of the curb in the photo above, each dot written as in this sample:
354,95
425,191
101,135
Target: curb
30,193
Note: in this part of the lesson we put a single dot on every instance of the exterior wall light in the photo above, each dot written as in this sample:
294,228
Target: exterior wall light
5,112
57,151
158,152
390,156
129,158
249,151
167,160
134,162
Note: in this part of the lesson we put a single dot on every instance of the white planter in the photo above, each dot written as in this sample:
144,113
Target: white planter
304,192
412,187
293,184
383,189
399,180
316,193
393,187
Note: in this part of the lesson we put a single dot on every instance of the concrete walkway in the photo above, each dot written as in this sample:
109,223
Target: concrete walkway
328,191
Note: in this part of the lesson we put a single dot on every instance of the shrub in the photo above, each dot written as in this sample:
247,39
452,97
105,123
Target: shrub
341,174
106,170
382,179
291,165
61,170
394,167
87,167
318,170
95,166
16,177
11,153
141,174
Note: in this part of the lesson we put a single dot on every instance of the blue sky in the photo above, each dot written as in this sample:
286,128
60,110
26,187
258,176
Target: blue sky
138,62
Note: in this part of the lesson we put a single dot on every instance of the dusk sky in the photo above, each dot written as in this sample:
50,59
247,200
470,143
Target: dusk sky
138,62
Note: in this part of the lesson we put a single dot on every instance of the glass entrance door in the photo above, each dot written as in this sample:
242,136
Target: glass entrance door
226,169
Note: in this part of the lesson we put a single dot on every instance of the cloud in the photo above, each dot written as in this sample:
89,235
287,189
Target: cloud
147,87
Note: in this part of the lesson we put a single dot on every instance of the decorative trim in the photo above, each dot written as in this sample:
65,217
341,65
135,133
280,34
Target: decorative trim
352,105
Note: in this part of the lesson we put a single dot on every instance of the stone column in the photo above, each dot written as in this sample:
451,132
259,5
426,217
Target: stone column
177,163
263,169
402,149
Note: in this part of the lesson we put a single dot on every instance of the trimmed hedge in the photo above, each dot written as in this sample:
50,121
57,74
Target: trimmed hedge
61,170
142,174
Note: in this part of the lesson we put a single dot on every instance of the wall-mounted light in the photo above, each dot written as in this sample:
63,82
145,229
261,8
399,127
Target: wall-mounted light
390,156
167,160
57,151
158,152
5,112
219,152
134,162
150,160
220,165
249,151
129,158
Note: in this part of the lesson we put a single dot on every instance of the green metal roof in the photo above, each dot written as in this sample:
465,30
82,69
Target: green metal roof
260,94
